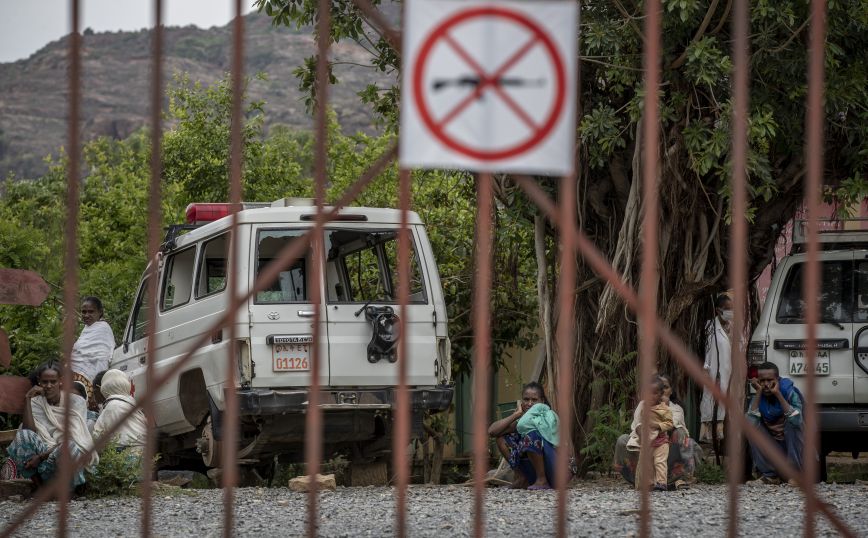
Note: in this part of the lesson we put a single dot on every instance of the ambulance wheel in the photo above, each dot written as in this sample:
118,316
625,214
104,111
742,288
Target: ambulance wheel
209,447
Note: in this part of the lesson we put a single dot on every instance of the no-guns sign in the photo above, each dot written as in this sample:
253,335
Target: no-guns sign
489,86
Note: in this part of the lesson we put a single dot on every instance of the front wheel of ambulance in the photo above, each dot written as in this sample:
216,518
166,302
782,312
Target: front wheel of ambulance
208,446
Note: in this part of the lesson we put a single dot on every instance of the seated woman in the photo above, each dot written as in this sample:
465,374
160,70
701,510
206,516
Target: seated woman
683,451
527,439
37,444
116,388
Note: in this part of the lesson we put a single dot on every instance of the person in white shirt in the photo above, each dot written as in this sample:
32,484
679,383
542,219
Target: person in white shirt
92,351
718,364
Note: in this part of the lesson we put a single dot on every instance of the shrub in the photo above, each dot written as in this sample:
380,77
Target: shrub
116,473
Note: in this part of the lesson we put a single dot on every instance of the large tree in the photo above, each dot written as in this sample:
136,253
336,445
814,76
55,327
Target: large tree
696,107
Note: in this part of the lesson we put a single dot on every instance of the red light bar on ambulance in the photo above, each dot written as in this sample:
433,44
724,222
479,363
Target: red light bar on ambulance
202,213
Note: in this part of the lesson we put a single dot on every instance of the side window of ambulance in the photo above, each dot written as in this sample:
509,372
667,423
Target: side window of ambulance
178,279
861,277
290,286
212,266
141,314
836,294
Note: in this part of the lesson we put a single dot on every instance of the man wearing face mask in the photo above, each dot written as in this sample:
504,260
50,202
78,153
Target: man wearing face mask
718,364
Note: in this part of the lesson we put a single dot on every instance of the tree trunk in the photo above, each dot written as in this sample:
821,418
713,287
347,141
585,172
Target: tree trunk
544,299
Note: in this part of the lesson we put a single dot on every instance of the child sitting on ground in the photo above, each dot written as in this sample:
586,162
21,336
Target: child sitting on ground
658,435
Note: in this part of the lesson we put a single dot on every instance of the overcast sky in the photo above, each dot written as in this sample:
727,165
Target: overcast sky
28,25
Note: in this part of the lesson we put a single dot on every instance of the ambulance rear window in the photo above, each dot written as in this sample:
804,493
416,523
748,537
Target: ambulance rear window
290,286
836,294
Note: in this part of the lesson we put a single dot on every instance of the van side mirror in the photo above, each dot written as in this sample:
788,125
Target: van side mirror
126,346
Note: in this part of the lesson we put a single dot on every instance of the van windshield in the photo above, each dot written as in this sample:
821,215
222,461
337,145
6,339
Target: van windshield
836,294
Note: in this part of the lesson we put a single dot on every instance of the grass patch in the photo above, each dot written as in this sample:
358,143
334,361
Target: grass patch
708,473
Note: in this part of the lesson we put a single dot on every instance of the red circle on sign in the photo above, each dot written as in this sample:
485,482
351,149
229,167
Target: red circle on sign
440,33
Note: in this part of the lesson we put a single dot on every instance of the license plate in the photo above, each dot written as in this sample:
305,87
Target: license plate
291,353
799,364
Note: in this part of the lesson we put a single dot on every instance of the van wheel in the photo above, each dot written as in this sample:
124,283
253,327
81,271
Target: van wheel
209,447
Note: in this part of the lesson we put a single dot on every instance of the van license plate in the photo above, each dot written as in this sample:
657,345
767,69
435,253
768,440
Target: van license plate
291,356
799,364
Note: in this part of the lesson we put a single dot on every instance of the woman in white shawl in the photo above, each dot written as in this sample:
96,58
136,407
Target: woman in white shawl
116,389
718,364
93,349
36,448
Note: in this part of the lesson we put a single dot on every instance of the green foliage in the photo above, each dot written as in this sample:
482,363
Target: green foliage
113,217
709,473
116,473
610,420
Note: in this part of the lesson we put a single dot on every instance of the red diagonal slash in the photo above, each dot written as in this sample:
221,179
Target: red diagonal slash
486,80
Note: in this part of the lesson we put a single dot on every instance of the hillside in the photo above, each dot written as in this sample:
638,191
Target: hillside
115,91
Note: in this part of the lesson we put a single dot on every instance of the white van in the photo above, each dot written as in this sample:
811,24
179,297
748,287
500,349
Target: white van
358,372
842,334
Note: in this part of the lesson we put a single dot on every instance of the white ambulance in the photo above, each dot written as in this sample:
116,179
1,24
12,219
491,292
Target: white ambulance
274,329
841,367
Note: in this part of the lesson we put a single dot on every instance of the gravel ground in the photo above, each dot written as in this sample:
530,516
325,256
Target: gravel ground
596,509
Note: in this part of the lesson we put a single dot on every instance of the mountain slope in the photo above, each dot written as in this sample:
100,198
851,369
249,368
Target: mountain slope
116,84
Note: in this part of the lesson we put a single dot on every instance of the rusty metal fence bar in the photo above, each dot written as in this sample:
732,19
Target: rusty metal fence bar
70,290
811,284
566,338
230,433
573,240
482,343
649,272
154,225
737,250
402,423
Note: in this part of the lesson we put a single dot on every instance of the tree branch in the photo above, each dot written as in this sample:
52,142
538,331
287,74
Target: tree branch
699,33
724,18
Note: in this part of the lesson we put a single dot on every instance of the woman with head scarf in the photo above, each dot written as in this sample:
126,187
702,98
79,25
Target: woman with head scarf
92,351
117,389
36,448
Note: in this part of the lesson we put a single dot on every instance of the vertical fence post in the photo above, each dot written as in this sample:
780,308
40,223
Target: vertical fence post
811,282
482,345
566,345
313,422
402,430
649,272
230,429
738,255
154,225
70,262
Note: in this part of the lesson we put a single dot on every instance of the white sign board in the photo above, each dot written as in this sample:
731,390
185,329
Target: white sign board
489,86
